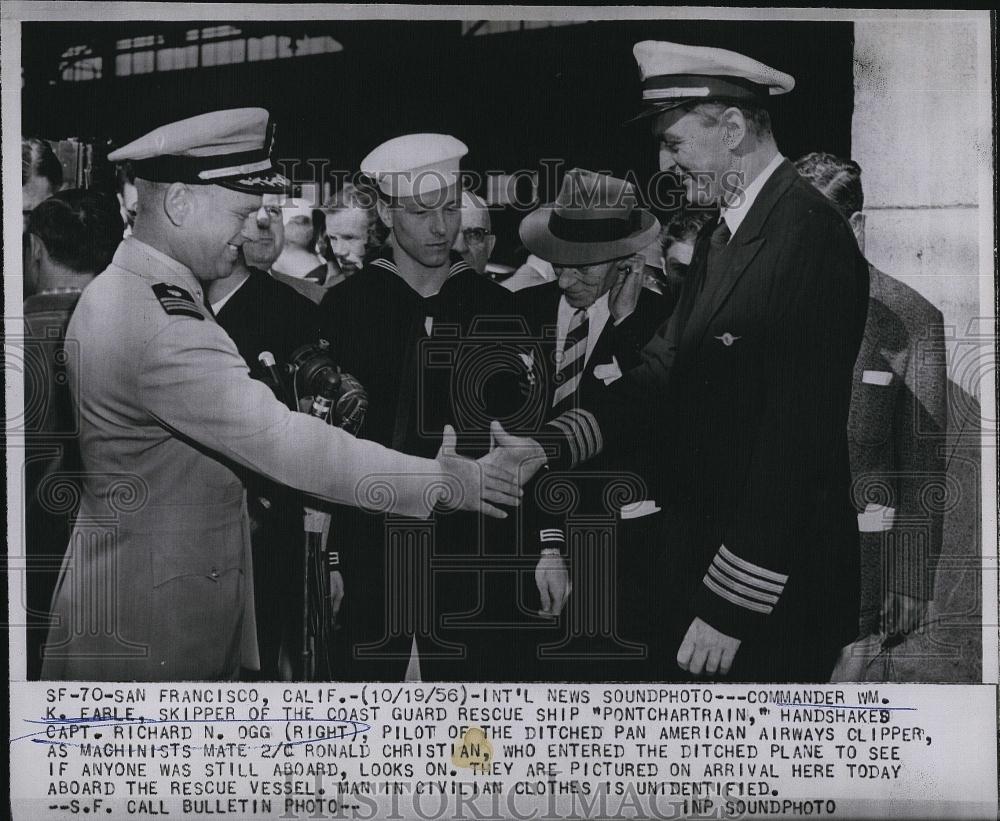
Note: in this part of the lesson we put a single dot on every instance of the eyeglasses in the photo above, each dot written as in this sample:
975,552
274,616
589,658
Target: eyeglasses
475,235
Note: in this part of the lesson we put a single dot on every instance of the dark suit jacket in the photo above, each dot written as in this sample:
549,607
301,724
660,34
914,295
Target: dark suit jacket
623,343
267,315
539,306
896,431
750,382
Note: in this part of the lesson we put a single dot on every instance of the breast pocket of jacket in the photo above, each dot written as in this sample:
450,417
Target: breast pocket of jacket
872,407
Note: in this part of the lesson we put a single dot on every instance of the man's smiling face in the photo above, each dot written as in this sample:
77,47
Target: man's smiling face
692,147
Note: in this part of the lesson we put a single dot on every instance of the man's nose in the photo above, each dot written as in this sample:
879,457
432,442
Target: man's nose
459,244
566,277
437,223
263,218
667,160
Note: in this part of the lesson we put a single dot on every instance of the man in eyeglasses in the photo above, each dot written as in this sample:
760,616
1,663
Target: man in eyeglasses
475,238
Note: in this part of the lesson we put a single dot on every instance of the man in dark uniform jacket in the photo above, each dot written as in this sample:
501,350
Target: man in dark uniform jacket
750,383
417,326
261,314
69,238
588,327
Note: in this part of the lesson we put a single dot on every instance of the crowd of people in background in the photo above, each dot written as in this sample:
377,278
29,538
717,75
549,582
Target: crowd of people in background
374,272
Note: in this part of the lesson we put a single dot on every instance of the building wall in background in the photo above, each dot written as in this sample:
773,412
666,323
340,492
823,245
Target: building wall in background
917,133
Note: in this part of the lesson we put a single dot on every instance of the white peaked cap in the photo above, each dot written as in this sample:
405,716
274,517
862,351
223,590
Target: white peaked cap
231,148
674,73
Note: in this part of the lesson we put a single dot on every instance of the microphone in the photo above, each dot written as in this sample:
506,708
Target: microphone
352,404
326,394
266,358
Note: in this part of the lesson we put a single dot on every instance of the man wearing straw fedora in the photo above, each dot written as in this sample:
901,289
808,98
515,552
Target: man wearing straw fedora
589,327
749,385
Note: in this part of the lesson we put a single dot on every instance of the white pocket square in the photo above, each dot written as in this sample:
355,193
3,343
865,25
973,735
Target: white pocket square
636,510
877,377
609,372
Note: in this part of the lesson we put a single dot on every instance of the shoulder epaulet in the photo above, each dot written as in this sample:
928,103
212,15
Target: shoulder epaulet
176,301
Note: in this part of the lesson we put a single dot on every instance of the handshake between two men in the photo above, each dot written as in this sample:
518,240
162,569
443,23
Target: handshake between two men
500,475
493,481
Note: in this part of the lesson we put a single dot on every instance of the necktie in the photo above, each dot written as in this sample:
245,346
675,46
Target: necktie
717,243
569,369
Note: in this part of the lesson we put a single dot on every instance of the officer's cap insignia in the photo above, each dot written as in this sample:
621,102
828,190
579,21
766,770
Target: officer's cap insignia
176,301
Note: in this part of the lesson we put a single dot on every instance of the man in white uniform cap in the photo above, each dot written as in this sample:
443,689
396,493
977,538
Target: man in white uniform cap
417,327
748,386
157,582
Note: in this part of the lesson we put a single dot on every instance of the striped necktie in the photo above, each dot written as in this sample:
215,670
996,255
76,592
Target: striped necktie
569,370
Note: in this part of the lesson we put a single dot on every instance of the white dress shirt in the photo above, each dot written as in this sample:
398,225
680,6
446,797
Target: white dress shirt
597,317
734,215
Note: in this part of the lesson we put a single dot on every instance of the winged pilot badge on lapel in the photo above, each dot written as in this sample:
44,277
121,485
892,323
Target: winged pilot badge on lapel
728,339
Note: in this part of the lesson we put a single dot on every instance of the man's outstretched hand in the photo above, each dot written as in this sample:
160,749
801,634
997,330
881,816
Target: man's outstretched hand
478,486
519,456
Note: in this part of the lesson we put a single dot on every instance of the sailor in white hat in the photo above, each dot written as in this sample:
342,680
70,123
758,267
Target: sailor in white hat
169,414
418,326
420,201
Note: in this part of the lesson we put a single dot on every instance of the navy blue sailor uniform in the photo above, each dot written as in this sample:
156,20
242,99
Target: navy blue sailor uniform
747,389
425,363
168,418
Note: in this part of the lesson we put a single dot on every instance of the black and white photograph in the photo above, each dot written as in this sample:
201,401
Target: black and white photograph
430,347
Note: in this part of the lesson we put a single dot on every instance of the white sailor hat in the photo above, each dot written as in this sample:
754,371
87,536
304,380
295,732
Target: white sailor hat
230,148
415,164
673,74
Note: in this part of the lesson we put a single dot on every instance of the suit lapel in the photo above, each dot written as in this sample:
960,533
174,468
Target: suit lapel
873,333
539,306
743,247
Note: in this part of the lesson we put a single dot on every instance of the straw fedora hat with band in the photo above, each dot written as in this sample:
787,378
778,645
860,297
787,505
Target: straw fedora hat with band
594,219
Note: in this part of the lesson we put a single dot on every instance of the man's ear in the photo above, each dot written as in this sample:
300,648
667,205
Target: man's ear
179,203
857,223
36,250
384,212
734,127
491,241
